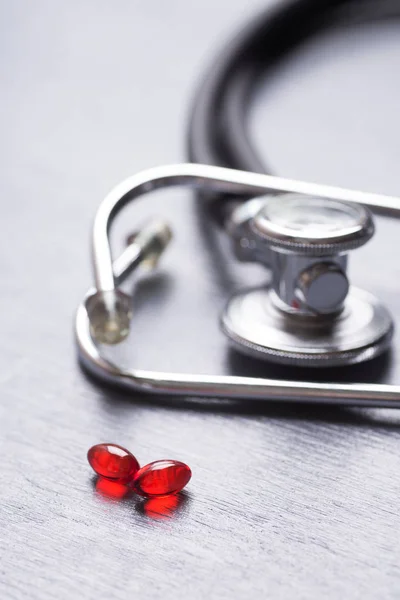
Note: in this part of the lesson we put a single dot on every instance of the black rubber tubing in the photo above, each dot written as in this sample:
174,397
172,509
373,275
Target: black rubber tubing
217,132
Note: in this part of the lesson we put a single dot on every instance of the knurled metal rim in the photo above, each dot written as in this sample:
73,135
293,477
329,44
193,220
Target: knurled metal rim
295,359
277,239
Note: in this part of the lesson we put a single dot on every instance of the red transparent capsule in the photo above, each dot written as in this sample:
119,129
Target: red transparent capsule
113,462
161,478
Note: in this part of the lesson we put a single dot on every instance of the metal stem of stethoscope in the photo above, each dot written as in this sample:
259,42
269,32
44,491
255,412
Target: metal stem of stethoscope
109,275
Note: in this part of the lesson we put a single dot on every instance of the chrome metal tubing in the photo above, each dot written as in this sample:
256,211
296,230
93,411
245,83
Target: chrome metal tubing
211,179
108,274
227,386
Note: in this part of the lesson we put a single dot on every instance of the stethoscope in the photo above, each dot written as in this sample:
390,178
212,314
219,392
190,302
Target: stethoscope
309,315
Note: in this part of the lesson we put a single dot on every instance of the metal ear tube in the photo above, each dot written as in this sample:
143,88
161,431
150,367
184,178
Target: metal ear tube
310,315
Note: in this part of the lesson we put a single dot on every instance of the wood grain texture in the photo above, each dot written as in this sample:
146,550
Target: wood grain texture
285,502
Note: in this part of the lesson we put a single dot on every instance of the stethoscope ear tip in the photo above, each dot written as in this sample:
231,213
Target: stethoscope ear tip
109,311
109,315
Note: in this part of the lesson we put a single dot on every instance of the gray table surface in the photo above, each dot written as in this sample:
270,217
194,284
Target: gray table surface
285,502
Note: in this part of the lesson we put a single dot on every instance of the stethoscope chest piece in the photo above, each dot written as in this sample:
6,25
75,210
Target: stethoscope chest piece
308,314
257,326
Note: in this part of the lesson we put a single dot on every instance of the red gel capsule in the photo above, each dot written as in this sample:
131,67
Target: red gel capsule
161,478
113,462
